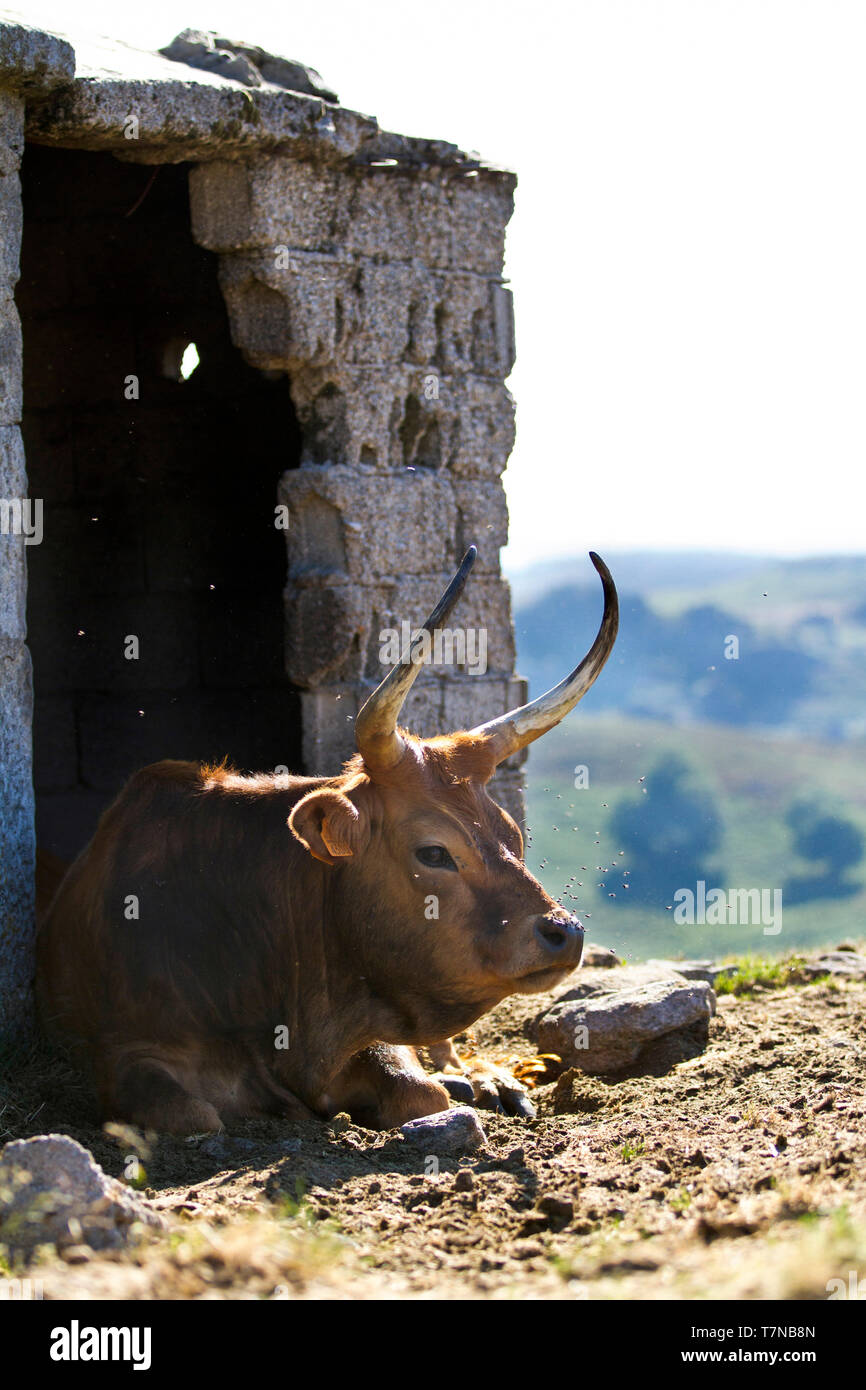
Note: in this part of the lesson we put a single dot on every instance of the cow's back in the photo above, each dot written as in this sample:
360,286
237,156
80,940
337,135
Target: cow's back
182,883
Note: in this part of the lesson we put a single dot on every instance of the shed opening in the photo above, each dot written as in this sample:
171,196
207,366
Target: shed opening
155,600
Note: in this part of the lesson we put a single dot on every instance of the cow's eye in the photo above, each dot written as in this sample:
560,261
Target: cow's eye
435,857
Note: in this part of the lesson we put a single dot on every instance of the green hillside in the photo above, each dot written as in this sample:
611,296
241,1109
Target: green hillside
774,594
752,779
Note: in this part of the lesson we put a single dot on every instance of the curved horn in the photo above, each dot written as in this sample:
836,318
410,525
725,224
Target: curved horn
376,734
519,727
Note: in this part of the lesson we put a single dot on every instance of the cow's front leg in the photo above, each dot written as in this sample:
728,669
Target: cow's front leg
493,1087
384,1086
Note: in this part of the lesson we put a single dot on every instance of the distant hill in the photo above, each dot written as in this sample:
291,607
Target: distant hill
744,641
637,572
576,834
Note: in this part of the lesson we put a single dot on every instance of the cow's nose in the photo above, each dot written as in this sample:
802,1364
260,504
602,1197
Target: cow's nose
561,936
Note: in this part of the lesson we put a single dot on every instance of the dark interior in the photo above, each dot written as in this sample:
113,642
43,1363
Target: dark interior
159,496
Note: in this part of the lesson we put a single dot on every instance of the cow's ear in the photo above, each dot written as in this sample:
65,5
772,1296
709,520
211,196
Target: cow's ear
329,825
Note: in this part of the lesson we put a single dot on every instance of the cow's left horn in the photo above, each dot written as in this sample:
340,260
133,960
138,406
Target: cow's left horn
376,733
521,726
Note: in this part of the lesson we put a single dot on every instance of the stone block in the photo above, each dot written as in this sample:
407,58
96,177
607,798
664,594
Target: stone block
472,700
482,520
474,320
10,360
17,840
483,436
326,633
354,522
328,724
346,413
480,205
484,607
219,204
34,61
13,547
287,314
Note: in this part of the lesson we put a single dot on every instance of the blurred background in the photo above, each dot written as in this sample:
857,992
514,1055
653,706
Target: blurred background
689,277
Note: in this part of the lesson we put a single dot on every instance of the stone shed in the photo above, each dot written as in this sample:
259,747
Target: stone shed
252,411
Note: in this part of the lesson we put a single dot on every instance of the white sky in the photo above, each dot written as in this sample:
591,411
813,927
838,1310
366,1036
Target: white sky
687,254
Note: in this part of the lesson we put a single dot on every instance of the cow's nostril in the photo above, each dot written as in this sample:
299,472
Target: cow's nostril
557,935
554,936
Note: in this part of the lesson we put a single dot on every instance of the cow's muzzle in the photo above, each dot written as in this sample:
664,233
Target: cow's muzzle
561,937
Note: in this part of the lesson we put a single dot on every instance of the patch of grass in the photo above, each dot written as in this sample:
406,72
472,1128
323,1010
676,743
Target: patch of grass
631,1151
762,972
682,1201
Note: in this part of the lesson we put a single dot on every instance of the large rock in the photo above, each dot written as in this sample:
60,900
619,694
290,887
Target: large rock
53,1192
606,1033
591,980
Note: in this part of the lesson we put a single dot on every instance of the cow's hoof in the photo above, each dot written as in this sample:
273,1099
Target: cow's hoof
518,1103
459,1088
493,1088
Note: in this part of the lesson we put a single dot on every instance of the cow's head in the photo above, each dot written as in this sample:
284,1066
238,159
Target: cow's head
445,916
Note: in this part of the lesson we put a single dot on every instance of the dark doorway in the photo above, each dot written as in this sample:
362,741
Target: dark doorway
159,488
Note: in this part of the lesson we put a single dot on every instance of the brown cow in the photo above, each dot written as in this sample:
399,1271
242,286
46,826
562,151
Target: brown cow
216,964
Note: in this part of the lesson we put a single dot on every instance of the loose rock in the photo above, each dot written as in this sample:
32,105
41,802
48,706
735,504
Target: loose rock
447,1132
598,956
53,1192
838,963
607,1033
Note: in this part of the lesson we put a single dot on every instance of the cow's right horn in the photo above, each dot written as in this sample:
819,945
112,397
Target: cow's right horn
376,733
514,730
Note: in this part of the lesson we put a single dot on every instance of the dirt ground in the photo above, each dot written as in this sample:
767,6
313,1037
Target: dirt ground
735,1173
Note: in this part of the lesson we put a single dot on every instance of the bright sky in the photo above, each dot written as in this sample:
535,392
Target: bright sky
687,253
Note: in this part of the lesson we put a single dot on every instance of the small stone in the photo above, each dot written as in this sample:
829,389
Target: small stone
559,1209
76,1254
446,1132
598,956
526,1249
340,1123
464,1181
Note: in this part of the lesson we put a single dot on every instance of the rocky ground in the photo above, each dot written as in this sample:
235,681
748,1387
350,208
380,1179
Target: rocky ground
727,1160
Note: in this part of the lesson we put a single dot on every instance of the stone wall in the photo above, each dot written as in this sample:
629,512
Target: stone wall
378,289
29,62
17,841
